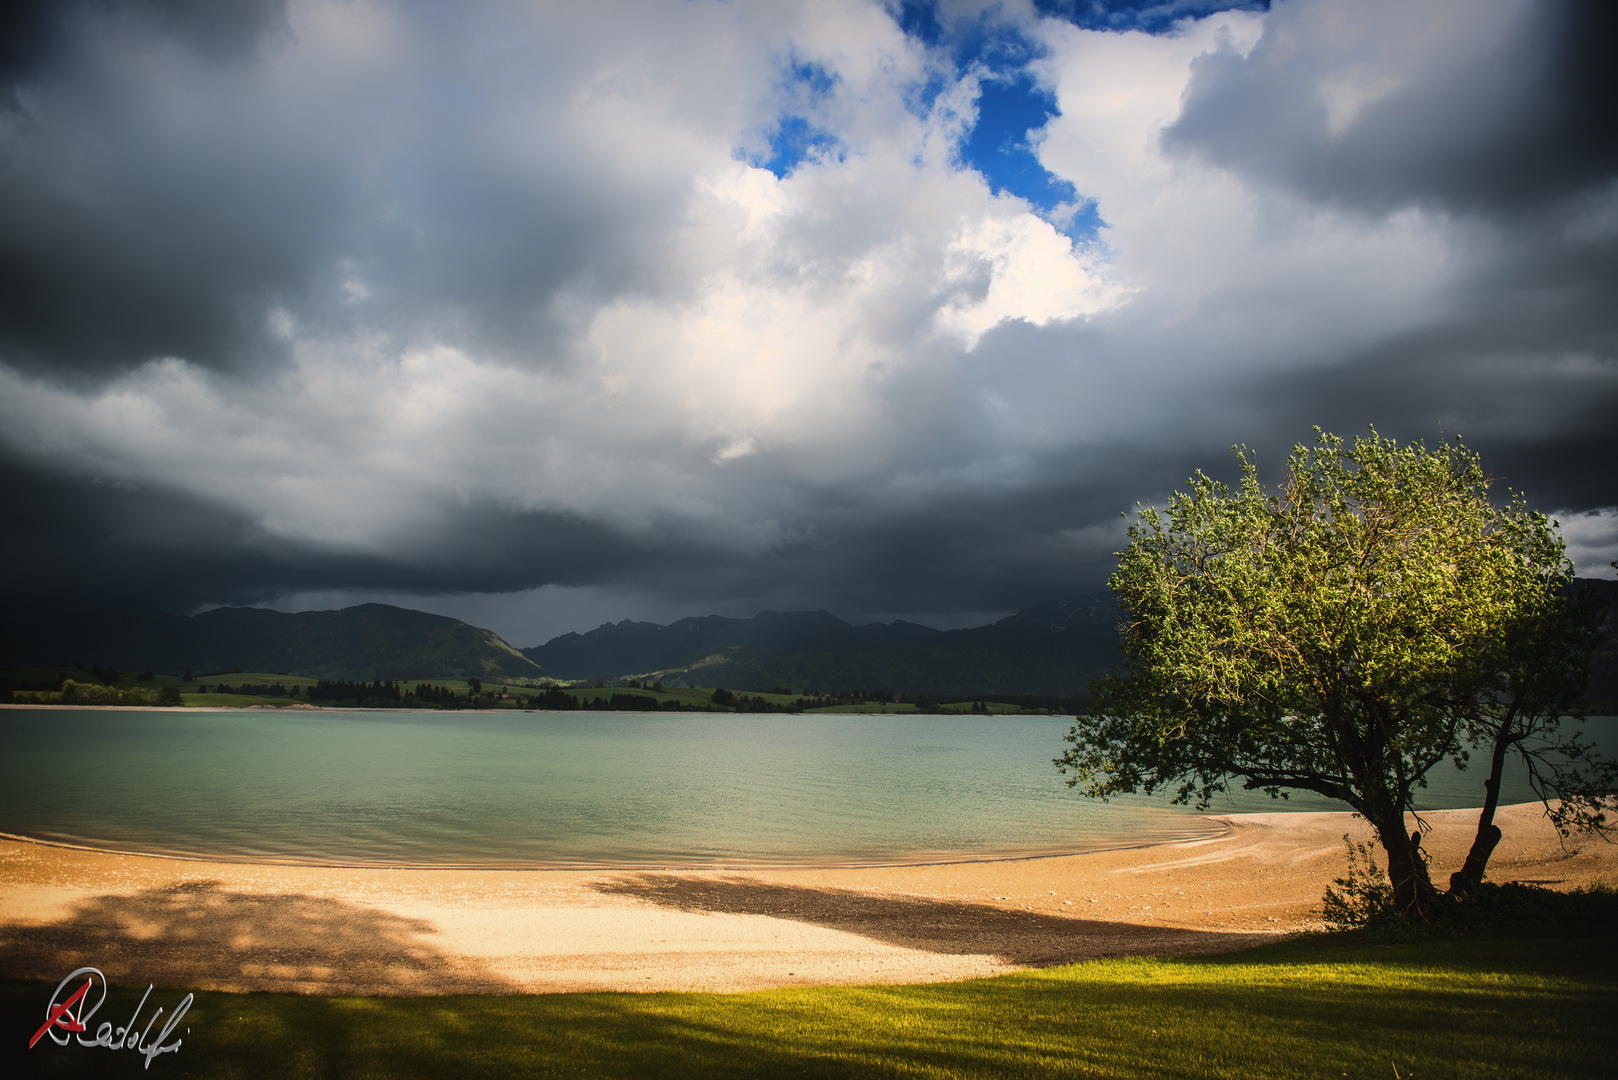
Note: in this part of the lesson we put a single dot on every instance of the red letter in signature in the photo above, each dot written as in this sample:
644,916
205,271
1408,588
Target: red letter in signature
64,1009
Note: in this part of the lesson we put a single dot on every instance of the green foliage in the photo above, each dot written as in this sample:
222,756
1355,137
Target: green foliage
80,693
1340,635
377,693
1362,898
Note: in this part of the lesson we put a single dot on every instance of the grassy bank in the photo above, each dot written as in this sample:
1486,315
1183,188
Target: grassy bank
1322,1008
41,686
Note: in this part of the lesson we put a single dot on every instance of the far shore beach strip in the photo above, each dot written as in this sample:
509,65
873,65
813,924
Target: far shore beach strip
334,930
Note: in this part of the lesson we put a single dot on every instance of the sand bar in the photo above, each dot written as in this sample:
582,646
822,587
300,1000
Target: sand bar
243,926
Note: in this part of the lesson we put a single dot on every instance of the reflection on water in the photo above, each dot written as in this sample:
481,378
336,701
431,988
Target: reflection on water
579,789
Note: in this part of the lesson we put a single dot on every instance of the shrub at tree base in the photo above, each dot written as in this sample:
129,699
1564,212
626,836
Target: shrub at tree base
1363,900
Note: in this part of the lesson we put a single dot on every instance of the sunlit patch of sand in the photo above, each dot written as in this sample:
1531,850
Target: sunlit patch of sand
243,926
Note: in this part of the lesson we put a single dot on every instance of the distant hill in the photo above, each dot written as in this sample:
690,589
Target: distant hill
371,641
1052,649
626,647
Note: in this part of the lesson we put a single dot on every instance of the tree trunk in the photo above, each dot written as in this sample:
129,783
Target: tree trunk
1464,882
1413,892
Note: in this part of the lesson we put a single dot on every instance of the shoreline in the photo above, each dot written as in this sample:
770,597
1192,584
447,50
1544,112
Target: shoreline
431,931
304,706
921,860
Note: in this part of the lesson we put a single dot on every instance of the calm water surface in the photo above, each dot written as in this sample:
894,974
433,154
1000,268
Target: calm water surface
576,789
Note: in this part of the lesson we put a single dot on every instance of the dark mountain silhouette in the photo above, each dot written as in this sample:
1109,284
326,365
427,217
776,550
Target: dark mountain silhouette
1053,649
614,649
372,641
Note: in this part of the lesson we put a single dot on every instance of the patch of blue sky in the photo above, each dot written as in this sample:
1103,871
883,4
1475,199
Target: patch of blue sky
920,18
980,42
806,75
1010,109
990,45
1010,106
1149,16
920,97
794,140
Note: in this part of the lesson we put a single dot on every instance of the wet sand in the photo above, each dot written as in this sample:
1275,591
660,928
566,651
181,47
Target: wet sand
331,930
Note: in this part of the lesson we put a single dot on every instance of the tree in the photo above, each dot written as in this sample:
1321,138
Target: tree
1337,636
1525,681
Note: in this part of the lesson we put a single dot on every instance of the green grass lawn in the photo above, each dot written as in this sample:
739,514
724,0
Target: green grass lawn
1324,1007
235,701
264,678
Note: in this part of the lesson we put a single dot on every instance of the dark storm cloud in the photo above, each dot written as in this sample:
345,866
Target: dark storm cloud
26,34
1543,428
1518,114
116,244
32,31
82,543
165,188
333,299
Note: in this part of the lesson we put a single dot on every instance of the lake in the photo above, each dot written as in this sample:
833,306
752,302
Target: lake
510,789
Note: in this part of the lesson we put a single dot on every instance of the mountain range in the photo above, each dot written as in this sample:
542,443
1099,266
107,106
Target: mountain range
371,641
1050,650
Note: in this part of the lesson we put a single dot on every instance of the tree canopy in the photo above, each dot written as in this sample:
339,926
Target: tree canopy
1373,616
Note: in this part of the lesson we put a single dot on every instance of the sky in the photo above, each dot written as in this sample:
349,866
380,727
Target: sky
544,315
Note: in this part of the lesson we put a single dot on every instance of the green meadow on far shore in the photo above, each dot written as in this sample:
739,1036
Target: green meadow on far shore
495,693
1325,1006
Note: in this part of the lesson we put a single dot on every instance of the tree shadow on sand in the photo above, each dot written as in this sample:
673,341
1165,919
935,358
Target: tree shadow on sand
951,927
199,934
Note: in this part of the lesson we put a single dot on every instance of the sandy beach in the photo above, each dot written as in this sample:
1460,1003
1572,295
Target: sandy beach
242,926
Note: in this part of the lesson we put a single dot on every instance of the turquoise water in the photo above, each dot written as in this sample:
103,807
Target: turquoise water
575,789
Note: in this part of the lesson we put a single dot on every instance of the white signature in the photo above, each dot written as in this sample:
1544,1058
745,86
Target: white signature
72,1016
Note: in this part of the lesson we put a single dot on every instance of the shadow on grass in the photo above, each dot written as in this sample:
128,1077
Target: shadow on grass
199,934
1408,1010
950,927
